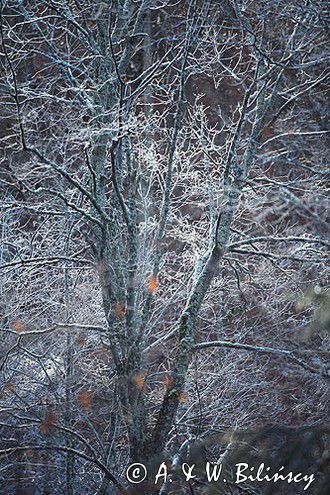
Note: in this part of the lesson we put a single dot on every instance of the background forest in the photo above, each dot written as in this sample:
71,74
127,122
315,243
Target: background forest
164,242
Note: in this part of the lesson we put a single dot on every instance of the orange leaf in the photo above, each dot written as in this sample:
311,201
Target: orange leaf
18,326
120,310
153,284
9,387
81,340
140,380
85,398
183,397
49,420
168,382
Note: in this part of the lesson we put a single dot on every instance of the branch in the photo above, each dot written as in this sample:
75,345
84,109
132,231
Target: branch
277,239
116,186
64,326
264,350
13,75
290,134
281,257
10,350
66,175
93,460
46,261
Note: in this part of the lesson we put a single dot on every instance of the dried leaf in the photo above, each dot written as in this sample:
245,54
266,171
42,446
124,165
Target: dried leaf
18,326
183,397
9,387
49,420
153,284
168,382
81,340
120,310
140,380
85,398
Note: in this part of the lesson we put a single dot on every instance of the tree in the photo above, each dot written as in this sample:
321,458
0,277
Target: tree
163,196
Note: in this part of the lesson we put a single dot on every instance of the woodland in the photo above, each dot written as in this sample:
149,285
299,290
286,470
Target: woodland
164,244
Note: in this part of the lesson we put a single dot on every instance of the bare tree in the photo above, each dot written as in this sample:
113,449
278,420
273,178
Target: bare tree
163,210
